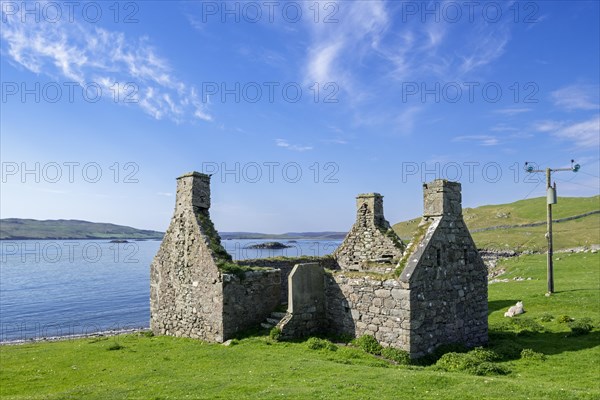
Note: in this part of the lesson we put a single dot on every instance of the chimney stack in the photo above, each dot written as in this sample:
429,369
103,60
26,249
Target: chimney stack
193,190
442,197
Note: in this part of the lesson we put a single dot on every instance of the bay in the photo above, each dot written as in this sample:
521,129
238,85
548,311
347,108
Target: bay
52,288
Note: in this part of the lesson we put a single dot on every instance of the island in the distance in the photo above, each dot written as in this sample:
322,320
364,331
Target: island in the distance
269,246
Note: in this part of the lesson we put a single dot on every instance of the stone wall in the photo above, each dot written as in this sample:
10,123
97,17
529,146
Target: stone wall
440,296
189,295
446,277
286,264
366,305
371,244
249,299
186,294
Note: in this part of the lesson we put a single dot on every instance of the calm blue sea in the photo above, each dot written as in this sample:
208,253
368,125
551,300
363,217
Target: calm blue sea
60,288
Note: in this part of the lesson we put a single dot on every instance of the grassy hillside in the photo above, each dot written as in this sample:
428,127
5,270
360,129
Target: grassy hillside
140,367
572,233
16,228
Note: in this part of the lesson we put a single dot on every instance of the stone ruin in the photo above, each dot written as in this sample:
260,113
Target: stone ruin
414,297
371,243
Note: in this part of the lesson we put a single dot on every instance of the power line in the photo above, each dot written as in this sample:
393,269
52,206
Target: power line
532,190
578,183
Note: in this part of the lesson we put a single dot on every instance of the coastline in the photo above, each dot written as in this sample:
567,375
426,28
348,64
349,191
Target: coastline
108,333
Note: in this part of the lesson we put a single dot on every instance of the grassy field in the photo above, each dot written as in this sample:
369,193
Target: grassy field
579,232
141,367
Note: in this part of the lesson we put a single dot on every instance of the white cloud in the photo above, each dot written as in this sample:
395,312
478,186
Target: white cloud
357,30
512,111
405,121
482,140
321,66
583,135
374,49
286,145
335,141
576,97
87,54
547,126
503,128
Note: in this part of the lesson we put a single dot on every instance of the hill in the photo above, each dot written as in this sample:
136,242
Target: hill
521,225
69,229
62,229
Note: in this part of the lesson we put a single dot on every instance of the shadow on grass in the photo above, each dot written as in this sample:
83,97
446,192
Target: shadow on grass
496,305
510,344
576,290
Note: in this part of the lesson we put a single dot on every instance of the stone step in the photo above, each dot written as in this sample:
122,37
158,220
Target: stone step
273,321
266,325
277,314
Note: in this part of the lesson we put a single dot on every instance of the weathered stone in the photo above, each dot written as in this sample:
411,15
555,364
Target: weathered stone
189,295
371,244
440,297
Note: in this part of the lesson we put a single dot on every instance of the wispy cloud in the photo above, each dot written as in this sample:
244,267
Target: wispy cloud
482,140
577,97
503,128
582,135
512,111
335,141
357,30
373,49
166,194
88,54
406,120
294,147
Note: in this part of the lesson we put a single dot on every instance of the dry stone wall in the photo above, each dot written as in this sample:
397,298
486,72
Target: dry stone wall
185,283
446,277
371,244
369,306
248,299
286,264
189,295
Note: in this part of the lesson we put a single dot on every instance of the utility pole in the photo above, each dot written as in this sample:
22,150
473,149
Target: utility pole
551,198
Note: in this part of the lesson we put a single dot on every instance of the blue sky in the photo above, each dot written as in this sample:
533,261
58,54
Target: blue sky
296,107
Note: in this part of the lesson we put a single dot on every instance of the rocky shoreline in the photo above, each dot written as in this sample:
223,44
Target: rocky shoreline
108,333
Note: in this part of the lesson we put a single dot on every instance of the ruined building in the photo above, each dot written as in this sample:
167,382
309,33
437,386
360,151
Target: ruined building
416,297
371,243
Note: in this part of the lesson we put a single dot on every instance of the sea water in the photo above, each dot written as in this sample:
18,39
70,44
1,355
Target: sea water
51,288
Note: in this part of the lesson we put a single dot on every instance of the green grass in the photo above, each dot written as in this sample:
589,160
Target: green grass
567,234
142,367
575,233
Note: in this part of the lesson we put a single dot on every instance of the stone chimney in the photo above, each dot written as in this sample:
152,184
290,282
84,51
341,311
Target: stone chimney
369,210
193,190
442,197
370,244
